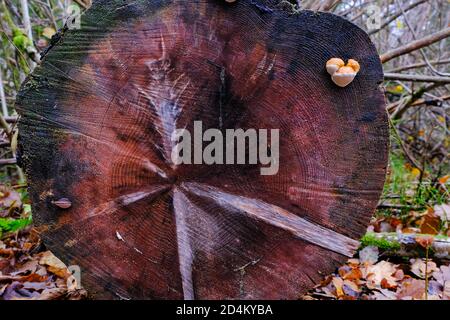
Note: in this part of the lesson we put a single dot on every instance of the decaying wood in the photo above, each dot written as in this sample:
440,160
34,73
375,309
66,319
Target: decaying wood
96,120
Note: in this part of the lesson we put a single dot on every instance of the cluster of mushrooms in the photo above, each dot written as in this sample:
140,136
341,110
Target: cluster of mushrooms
341,74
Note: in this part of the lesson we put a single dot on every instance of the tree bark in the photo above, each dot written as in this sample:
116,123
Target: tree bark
96,122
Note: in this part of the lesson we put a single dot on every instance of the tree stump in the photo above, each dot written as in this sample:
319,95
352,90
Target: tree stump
96,120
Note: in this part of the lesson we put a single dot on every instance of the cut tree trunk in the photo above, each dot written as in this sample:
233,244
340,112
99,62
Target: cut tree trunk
97,118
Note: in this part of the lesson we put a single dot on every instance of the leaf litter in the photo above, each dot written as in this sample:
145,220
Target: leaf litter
27,270
377,275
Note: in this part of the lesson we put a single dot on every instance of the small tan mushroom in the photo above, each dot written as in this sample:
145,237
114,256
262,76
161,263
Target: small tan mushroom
354,65
344,76
341,74
334,64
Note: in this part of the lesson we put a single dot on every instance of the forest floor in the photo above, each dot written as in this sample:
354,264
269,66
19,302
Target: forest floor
404,255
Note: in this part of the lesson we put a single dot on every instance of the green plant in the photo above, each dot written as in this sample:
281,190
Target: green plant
13,225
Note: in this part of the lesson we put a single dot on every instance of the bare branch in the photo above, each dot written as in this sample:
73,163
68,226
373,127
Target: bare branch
430,101
415,45
416,77
5,162
418,65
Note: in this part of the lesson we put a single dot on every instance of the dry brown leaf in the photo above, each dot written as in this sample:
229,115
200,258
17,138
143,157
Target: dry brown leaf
9,198
54,265
354,275
30,266
442,275
338,283
411,289
399,275
351,289
381,275
52,294
418,267
410,230
353,262
33,278
429,223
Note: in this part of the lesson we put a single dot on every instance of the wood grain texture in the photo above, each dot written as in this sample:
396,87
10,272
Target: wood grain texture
95,127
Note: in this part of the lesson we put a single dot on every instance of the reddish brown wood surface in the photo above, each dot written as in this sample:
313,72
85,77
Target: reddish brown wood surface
96,121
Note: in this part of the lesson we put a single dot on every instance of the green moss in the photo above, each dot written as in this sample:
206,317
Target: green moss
370,239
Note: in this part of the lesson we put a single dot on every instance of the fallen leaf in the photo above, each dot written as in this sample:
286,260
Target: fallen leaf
444,179
338,283
418,267
399,275
442,275
429,223
411,289
409,230
381,275
54,265
442,211
9,198
388,283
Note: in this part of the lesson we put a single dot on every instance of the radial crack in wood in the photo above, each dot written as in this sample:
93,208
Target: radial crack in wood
279,218
185,253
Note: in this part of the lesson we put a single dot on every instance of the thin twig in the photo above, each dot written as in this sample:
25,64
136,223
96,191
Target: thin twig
2,95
